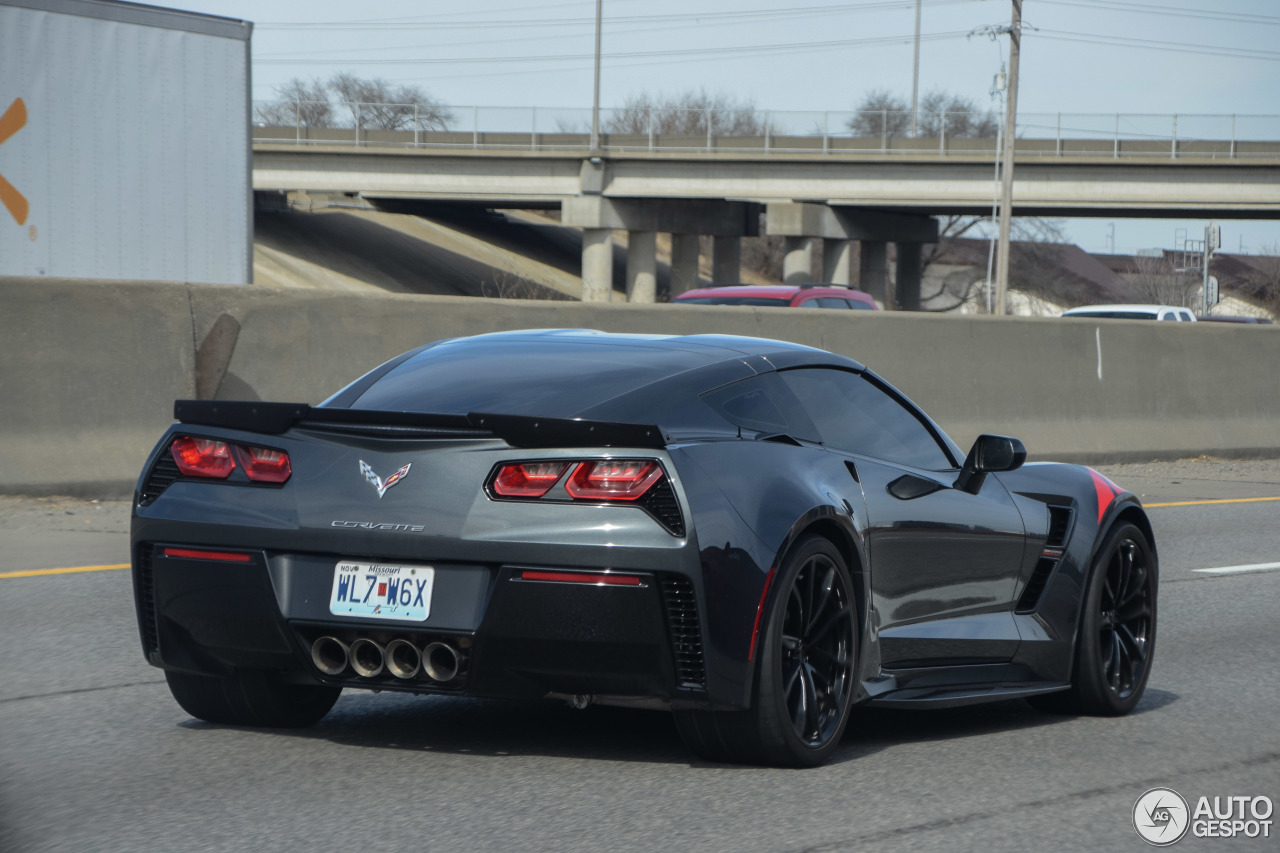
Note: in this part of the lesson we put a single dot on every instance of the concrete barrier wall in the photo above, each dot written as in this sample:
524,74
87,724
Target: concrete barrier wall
89,370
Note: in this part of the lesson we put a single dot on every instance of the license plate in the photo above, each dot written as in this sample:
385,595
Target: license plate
381,591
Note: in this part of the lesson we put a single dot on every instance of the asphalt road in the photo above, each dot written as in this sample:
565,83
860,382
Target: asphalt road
95,755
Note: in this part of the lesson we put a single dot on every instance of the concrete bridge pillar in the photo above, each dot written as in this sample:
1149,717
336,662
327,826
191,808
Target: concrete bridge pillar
906,287
726,260
797,263
837,261
597,265
684,263
873,268
801,222
684,219
642,266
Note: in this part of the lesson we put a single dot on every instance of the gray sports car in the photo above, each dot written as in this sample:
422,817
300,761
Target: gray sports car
753,534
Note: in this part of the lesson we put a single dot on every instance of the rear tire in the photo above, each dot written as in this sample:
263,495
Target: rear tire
251,698
1117,637
805,676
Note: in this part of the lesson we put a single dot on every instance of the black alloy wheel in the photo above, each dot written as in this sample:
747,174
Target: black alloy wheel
1116,643
817,651
1126,619
806,658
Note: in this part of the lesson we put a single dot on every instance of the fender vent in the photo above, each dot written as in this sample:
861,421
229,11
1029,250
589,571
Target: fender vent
159,478
1035,586
146,598
685,631
1059,526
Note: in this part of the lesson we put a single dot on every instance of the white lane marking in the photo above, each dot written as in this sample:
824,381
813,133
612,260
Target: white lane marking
1097,335
1240,570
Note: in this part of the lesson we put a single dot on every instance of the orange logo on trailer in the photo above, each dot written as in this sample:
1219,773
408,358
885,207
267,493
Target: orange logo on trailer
11,122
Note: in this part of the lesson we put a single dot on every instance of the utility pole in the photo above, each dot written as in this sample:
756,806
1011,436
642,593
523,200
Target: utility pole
1010,142
595,100
915,72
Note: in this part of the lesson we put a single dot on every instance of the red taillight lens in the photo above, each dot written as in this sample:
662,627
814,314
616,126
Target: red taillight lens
201,554
593,578
264,465
203,457
528,479
613,479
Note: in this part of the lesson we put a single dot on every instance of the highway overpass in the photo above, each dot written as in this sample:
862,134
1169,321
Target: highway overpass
874,195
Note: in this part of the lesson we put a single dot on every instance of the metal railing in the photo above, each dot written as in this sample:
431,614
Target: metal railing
765,131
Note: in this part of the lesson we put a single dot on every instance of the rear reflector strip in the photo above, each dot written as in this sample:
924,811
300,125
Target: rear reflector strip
596,578
193,554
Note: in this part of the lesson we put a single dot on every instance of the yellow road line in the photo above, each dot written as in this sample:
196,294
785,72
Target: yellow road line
31,573
1223,501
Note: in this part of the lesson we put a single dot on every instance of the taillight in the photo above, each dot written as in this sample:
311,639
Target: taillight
528,479
203,457
263,465
613,479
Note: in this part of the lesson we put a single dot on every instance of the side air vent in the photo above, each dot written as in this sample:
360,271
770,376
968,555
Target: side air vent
1059,526
686,632
147,599
660,502
161,476
1035,586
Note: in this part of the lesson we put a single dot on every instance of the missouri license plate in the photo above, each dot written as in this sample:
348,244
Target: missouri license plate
381,591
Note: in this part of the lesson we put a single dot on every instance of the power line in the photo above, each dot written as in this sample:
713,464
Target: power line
1172,47
1163,11
489,23
743,50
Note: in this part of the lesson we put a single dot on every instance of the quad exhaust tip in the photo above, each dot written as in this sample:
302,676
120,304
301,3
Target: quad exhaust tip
403,659
440,662
330,655
367,657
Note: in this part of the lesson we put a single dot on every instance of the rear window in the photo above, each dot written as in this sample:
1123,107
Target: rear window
522,378
767,301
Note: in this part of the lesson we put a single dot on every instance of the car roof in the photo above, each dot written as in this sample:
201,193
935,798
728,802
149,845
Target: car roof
782,291
571,372
1135,308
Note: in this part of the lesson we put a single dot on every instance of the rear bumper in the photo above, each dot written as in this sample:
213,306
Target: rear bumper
514,637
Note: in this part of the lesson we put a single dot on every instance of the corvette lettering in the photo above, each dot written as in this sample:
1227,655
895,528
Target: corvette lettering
379,525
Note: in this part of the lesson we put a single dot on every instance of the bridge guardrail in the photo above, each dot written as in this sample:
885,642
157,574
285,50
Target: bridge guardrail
768,131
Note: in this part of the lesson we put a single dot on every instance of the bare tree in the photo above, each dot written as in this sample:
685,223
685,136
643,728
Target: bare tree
1035,263
299,103
958,116
1159,282
687,114
375,104
1262,283
881,113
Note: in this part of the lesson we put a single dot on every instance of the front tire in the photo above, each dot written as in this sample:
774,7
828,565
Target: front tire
251,698
1117,629
805,680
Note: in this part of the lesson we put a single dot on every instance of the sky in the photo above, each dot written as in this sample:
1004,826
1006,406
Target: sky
1088,60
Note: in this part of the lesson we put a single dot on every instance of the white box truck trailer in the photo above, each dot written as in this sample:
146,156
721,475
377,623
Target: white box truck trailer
124,143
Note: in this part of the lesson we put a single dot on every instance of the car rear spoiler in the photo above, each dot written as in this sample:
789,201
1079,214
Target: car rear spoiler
516,430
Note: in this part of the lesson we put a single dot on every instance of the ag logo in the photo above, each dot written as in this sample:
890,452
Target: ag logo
1161,816
378,483
13,120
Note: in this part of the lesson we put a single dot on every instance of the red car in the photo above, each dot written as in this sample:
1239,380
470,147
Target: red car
780,296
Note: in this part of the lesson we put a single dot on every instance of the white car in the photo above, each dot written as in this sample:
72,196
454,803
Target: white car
1133,312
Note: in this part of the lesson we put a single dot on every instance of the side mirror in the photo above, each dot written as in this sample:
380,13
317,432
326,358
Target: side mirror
990,454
